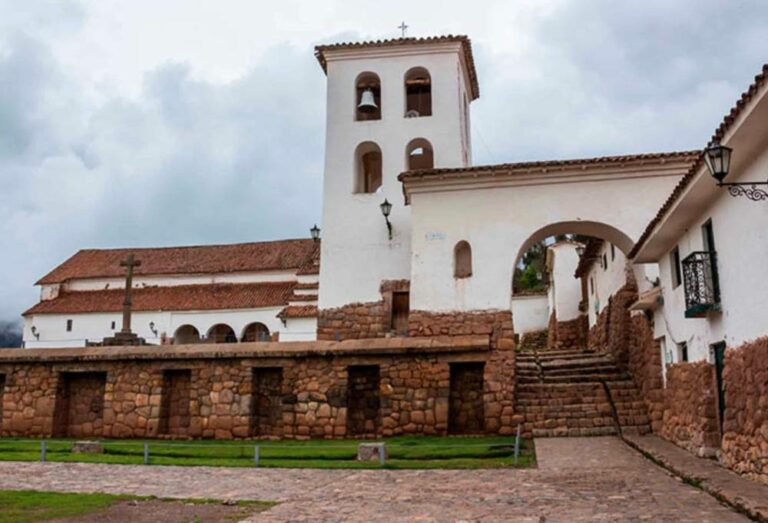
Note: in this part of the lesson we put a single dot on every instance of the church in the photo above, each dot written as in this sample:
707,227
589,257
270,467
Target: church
400,314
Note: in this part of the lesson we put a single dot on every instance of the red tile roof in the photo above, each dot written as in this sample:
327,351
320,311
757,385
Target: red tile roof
298,311
747,96
202,259
465,42
217,296
589,258
525,166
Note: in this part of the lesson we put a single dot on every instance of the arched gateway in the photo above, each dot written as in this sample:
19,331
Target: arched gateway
501,210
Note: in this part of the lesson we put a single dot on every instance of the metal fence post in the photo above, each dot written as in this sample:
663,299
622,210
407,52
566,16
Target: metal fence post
146,453
256,455
43,450
517,444
382,458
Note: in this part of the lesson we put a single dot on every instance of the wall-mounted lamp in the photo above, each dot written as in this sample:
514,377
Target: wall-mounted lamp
315,233
386,208
35,332
718,160
152,327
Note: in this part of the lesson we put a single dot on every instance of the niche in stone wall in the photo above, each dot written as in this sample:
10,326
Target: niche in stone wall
2,392
465,414
363,400
174,405
267,402
79,406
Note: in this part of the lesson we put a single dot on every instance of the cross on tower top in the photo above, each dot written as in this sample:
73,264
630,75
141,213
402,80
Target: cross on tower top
402,28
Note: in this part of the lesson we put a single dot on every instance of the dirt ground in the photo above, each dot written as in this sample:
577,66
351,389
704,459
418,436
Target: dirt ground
154,511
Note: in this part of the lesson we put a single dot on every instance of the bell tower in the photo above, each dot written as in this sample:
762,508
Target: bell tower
392,106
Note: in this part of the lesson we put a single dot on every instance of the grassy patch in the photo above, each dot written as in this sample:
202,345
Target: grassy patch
408,452
26,506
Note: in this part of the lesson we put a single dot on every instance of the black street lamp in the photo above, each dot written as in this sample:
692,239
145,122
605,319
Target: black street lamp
315,232
718,160
386,208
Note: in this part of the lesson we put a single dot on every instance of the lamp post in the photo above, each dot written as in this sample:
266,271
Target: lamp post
718,161
386,208
315,233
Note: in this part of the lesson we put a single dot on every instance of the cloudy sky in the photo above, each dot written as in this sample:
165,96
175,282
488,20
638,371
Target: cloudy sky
169,122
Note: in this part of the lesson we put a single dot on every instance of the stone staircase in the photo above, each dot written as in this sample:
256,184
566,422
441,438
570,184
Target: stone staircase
576,393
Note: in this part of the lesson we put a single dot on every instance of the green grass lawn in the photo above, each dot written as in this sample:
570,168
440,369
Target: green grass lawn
23,506
407,452
27,506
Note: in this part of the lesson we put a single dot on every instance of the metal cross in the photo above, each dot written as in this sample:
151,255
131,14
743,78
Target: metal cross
129,263
402,27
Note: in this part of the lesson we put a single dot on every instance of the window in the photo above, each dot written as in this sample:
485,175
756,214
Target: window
418,93
674,259
400,311
113,325
682,351
368,168
420,155
462,260
591,285
605,262
368,97
613,252
708,236
69,325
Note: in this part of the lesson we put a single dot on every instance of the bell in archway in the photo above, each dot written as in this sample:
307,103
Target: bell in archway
367,102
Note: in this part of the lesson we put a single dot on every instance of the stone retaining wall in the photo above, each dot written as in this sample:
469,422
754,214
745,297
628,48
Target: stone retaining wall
611,333
644,363
690,414
568,335
208,391
745,426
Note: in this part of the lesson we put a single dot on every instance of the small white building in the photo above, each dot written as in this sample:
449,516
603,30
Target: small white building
215,293
564,294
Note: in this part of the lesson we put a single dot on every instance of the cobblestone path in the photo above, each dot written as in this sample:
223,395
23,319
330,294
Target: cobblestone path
578,479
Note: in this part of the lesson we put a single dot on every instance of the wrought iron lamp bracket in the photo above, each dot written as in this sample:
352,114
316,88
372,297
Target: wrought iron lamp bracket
751,190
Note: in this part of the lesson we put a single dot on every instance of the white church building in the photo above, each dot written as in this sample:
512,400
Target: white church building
409,226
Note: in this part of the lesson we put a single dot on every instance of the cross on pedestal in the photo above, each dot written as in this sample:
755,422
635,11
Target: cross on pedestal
129,263
125,336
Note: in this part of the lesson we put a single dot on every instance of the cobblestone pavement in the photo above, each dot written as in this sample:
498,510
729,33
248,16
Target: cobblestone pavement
578,479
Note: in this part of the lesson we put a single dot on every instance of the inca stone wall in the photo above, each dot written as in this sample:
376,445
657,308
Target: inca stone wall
568,335
208,391
690,414
745,427
612,331
363,400
644,362
79,409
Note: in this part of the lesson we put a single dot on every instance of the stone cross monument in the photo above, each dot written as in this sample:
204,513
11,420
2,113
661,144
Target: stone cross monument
125,336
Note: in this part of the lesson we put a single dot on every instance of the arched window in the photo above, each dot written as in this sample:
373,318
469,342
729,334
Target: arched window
186,334
255,332
420,155
221,333
418,93
462,260
367,97
367,168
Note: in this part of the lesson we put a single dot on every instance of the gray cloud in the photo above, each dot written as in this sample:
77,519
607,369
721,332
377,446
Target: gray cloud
189,159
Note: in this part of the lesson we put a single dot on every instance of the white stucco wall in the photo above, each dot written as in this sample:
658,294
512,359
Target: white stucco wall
741,241
604,280
565,288
498,220
96,326
530,313
356,252
299,329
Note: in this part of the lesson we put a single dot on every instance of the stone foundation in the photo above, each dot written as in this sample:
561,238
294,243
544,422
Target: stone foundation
226,391
690,414
745,427
567,335
611,333
644,363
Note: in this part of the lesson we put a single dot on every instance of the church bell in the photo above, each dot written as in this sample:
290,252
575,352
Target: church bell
367,102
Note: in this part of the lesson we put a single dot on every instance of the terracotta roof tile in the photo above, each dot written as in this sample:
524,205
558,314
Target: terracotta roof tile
298,311
755,87
525,166
466,44
203,259
307,286
589,257
178,298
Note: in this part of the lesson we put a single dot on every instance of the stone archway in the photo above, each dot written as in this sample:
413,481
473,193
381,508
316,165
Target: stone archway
255,331
221,333
186,334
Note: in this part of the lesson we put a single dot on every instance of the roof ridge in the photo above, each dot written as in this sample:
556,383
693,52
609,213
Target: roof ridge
198,246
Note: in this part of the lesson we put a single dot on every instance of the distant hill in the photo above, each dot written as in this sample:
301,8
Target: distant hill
10,334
